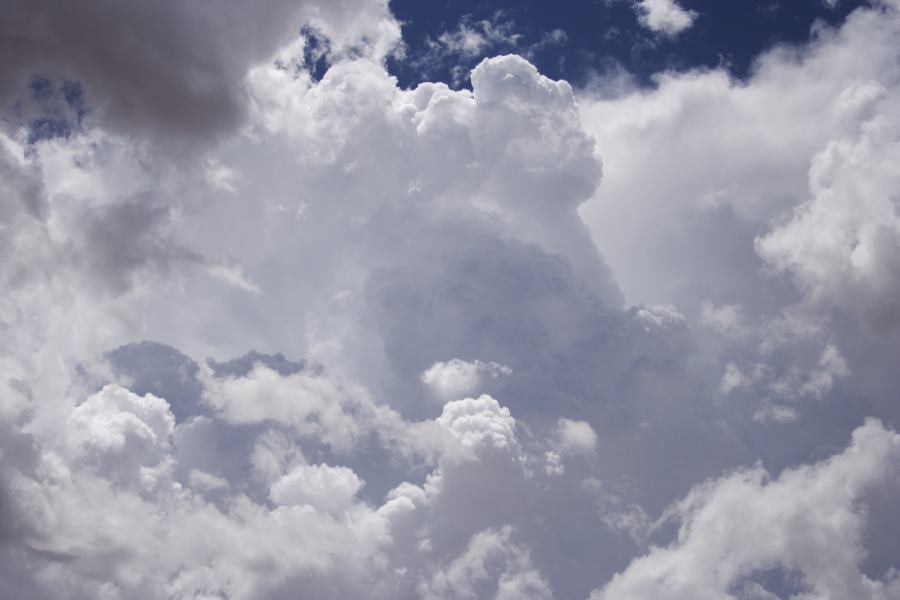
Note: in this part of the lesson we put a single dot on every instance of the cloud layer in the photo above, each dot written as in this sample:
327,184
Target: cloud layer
518,341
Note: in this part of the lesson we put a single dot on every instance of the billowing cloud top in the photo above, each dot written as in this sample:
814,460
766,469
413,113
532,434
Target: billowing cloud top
271,331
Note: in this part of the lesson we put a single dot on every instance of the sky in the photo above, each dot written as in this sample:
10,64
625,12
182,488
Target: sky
467,300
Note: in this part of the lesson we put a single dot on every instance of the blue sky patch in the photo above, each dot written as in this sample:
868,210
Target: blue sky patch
579,39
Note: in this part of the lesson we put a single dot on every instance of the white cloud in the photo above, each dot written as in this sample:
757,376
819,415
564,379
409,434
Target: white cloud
313,405
727,319
480,423
841,246
492,566
576,436
817,100
436,224
791,382
323,487
472,39
664,16
206,481
454,378
319,408
768,214
808,521
120,434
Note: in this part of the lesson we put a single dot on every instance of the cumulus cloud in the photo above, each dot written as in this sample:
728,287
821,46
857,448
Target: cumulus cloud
807,522
841,246
576,436
451,393
121,434
761,263
666,17
454,378
479,422
321,486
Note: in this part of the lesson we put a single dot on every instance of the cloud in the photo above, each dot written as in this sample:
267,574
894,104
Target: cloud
457,50
572,438
403,246
666,17
472,39
728,319
321,486
492,566
576,436
121,434
454,378
761,262
808,521
840,247
479,422
170,69
315,407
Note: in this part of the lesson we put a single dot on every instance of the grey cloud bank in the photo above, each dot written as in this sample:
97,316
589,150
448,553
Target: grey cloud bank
522,341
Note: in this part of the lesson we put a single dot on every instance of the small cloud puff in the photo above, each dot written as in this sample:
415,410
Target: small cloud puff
324,487
455,378
480,423
664,16
571,438
576,437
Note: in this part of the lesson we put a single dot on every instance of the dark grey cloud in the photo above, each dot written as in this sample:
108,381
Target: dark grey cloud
159,69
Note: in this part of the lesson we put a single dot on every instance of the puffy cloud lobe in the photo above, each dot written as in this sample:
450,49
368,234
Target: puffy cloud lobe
841,246
112,416
454,378
320,409
314,406
323,487
576,436
123,436
806,521
528,122
205,543
480,423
